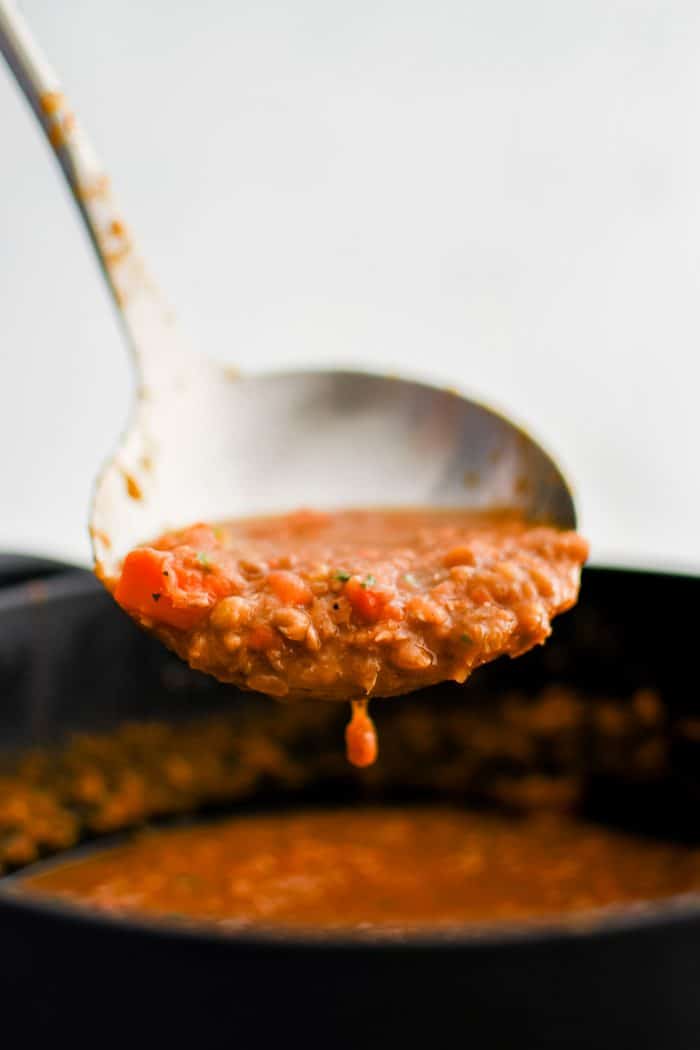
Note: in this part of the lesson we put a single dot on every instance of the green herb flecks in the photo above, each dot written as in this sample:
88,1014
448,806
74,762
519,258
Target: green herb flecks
341,575
204,559
466,639
410,579
369,581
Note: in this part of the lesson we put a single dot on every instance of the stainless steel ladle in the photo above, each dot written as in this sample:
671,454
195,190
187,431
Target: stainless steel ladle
206,443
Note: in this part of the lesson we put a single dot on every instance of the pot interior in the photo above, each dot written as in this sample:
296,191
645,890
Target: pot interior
103,731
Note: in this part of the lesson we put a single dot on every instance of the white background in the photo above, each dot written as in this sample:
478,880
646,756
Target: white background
492,193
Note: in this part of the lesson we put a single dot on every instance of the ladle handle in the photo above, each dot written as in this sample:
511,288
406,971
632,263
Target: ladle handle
147,319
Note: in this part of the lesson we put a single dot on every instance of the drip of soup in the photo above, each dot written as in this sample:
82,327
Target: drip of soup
352,604
417,868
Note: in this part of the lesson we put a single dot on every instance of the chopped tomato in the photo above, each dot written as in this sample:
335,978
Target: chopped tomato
164,587
289,587
370,601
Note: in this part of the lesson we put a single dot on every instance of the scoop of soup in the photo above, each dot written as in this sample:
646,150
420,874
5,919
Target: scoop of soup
355,603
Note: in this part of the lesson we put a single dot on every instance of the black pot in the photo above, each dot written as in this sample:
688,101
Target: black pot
69,658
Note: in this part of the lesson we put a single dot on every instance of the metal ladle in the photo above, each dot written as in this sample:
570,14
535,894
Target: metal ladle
206,443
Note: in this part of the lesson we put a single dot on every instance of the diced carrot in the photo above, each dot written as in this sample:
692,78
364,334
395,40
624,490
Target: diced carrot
145,588
157,584
289,587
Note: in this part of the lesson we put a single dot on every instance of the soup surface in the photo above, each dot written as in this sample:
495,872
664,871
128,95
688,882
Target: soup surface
352,604
395,870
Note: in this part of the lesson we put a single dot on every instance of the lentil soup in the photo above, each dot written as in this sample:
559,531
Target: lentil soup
352,604
375,869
